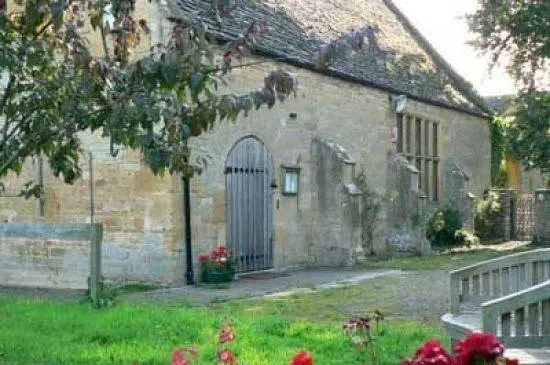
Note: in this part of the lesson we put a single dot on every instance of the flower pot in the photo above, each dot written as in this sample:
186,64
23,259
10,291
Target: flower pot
218,276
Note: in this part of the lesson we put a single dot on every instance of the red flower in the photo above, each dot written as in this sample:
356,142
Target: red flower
179,358
431,353
221,251
477,345
512,361
203,257
302,358
226,335
226,356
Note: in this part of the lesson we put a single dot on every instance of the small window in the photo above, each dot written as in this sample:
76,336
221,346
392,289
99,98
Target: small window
399,132
291,180
418,142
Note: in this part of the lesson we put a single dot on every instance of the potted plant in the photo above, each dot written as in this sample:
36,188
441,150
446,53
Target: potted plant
217,266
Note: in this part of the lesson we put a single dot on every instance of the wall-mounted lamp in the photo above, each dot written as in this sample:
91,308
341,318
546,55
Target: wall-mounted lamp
291,180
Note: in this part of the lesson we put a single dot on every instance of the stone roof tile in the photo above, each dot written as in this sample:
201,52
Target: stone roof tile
397,60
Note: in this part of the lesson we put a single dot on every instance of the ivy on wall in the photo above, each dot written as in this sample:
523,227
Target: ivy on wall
498,151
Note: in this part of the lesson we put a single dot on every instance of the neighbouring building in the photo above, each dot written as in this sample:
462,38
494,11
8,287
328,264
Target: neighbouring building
351,166
516,176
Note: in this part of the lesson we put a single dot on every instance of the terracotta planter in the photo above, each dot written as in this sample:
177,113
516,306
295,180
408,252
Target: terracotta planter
218,276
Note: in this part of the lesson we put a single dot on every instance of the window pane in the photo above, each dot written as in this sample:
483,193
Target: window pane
400,132
408,134
435,151
419,168
427,178
418,137
291,182
435,181
426,138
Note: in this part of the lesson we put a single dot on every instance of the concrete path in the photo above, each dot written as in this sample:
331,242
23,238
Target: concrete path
260,284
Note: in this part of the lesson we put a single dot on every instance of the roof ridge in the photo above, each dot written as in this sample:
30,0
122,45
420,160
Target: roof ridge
290,41
460,82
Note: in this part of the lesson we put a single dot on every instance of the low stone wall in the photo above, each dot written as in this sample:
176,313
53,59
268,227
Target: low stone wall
45,255
50,255
39,263
542,215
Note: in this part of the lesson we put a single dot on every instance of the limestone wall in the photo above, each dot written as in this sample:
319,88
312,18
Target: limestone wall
336,225
44,263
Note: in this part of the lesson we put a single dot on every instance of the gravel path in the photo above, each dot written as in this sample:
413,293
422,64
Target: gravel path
419,294
262,284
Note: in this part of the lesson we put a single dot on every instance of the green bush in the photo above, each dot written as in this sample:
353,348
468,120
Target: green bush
466,238
442,227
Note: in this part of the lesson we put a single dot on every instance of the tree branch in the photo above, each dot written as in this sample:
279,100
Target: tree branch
50,22
104,42
498,52
7,92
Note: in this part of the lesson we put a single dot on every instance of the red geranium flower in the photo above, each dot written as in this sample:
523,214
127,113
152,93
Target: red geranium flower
221,251
226,356
430,354
477,345
203,257
226,335
179,358
302,358
512,361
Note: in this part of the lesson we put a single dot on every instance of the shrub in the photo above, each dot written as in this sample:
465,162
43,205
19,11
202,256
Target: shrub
467,238
442,227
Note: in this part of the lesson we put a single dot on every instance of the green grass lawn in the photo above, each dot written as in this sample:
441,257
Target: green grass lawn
446,260
268,332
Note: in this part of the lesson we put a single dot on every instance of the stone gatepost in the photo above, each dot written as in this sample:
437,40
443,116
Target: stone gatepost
507,198
457,196
408,206
542,215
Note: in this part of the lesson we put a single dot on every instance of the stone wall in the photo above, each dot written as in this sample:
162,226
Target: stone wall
335,205
406,210
542,215
45,255
44,263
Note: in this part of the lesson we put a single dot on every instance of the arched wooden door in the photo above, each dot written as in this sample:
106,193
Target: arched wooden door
249,207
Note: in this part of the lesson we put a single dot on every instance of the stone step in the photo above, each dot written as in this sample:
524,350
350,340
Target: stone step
530,356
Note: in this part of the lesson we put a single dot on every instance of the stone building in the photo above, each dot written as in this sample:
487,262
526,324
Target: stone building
349,167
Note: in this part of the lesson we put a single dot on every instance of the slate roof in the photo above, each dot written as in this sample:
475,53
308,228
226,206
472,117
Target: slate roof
397,59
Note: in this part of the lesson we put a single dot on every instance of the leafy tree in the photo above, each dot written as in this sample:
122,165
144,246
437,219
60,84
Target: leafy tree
517,32
56,89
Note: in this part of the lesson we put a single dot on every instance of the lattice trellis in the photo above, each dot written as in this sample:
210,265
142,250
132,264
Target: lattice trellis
525,217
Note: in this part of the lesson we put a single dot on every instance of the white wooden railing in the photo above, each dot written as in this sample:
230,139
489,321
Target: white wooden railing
521,319
498,278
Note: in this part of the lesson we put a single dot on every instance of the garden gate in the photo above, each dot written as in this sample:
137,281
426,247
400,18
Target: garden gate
523,216
249,215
